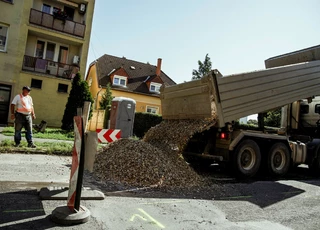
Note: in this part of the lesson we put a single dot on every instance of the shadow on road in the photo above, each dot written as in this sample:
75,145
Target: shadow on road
39,224
262,190
17,207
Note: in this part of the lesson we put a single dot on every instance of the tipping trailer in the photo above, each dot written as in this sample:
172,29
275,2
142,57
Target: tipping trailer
228,98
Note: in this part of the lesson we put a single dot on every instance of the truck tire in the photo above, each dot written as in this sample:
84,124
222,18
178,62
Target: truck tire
247,159
278,159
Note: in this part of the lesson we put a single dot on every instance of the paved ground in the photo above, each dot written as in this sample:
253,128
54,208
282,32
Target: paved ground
261,204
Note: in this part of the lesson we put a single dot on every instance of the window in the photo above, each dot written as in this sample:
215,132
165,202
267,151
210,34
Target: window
3,37
155,87
40,49
51,51
151,109
119,80
63,54
36,83
317,108
46,8
70,13
63,88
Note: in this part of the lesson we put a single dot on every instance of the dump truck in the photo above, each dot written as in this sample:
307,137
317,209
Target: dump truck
229,98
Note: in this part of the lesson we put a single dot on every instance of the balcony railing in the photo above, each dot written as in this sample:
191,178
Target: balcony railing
63,25
40,65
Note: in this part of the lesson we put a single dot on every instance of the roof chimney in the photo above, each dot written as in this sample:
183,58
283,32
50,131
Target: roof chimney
158,70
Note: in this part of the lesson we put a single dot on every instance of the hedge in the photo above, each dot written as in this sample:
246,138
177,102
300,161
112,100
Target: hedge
143,122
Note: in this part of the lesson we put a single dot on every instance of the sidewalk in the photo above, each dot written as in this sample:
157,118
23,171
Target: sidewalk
3,137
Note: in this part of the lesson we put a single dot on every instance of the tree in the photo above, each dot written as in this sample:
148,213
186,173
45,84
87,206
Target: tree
78,95
273,118
252,122
106,98
204,68
105,103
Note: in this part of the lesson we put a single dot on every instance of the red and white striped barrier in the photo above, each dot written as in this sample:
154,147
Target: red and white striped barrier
75,161
108,135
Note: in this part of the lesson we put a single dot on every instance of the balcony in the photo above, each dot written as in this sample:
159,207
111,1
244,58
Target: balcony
49,21
43,66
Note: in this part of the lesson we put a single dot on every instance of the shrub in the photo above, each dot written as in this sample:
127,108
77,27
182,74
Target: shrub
78,95
143,122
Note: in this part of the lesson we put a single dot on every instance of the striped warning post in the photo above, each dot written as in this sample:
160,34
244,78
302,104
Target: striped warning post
75,161
108,135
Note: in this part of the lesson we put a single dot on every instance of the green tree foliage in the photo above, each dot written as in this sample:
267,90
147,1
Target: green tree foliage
106,98
252,122
143,122
273,118
105,103
78,95
204,68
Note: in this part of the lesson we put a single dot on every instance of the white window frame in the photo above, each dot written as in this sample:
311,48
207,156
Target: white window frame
156,86
56,51
154,109
6,45
120,78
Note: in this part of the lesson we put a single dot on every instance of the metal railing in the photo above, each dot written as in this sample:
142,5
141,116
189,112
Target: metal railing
56,23
44,66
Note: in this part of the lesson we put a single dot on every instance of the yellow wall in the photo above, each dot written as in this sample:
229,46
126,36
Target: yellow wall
49,104
22,36
9,67
142,101
93,81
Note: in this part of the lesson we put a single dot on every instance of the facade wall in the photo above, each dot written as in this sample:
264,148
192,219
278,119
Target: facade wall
142,101
22,40
49,104
10,17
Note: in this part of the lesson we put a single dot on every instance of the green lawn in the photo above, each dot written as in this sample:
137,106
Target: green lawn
57,148
50,133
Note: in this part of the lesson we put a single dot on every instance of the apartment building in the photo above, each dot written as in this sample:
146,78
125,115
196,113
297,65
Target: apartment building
43,44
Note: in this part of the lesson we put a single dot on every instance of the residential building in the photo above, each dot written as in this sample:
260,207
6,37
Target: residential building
128,78
43,44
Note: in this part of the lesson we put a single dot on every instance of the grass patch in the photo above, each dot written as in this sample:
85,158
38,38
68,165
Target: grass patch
50,133
56,148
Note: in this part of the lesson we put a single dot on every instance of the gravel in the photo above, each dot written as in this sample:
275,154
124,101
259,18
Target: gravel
155,161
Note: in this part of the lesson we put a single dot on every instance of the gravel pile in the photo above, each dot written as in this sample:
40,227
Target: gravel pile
138,163
174,134
154,161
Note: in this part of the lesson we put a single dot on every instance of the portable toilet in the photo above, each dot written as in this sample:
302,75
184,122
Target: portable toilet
122,115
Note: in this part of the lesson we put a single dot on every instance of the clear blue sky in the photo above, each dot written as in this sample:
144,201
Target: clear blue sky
237,35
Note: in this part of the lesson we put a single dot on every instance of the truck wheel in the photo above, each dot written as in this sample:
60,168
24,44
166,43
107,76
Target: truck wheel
247,158
278,159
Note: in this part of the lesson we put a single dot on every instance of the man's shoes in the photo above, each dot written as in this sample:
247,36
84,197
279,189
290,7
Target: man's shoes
17,145
31,145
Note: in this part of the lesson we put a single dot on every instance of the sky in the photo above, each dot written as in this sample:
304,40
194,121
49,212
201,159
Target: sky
237,35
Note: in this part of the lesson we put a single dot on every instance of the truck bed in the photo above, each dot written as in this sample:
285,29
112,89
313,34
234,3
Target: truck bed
234,96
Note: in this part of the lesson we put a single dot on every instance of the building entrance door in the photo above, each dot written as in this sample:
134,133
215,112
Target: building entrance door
5,94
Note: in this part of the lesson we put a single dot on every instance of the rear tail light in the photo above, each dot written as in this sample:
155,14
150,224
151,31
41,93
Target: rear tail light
224,136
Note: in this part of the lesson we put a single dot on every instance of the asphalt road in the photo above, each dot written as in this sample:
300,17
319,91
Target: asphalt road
289,203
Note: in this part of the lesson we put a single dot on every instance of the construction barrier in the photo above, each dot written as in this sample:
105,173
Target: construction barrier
76,152
108,135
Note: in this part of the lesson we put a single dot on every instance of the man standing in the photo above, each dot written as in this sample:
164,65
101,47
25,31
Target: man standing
22,112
